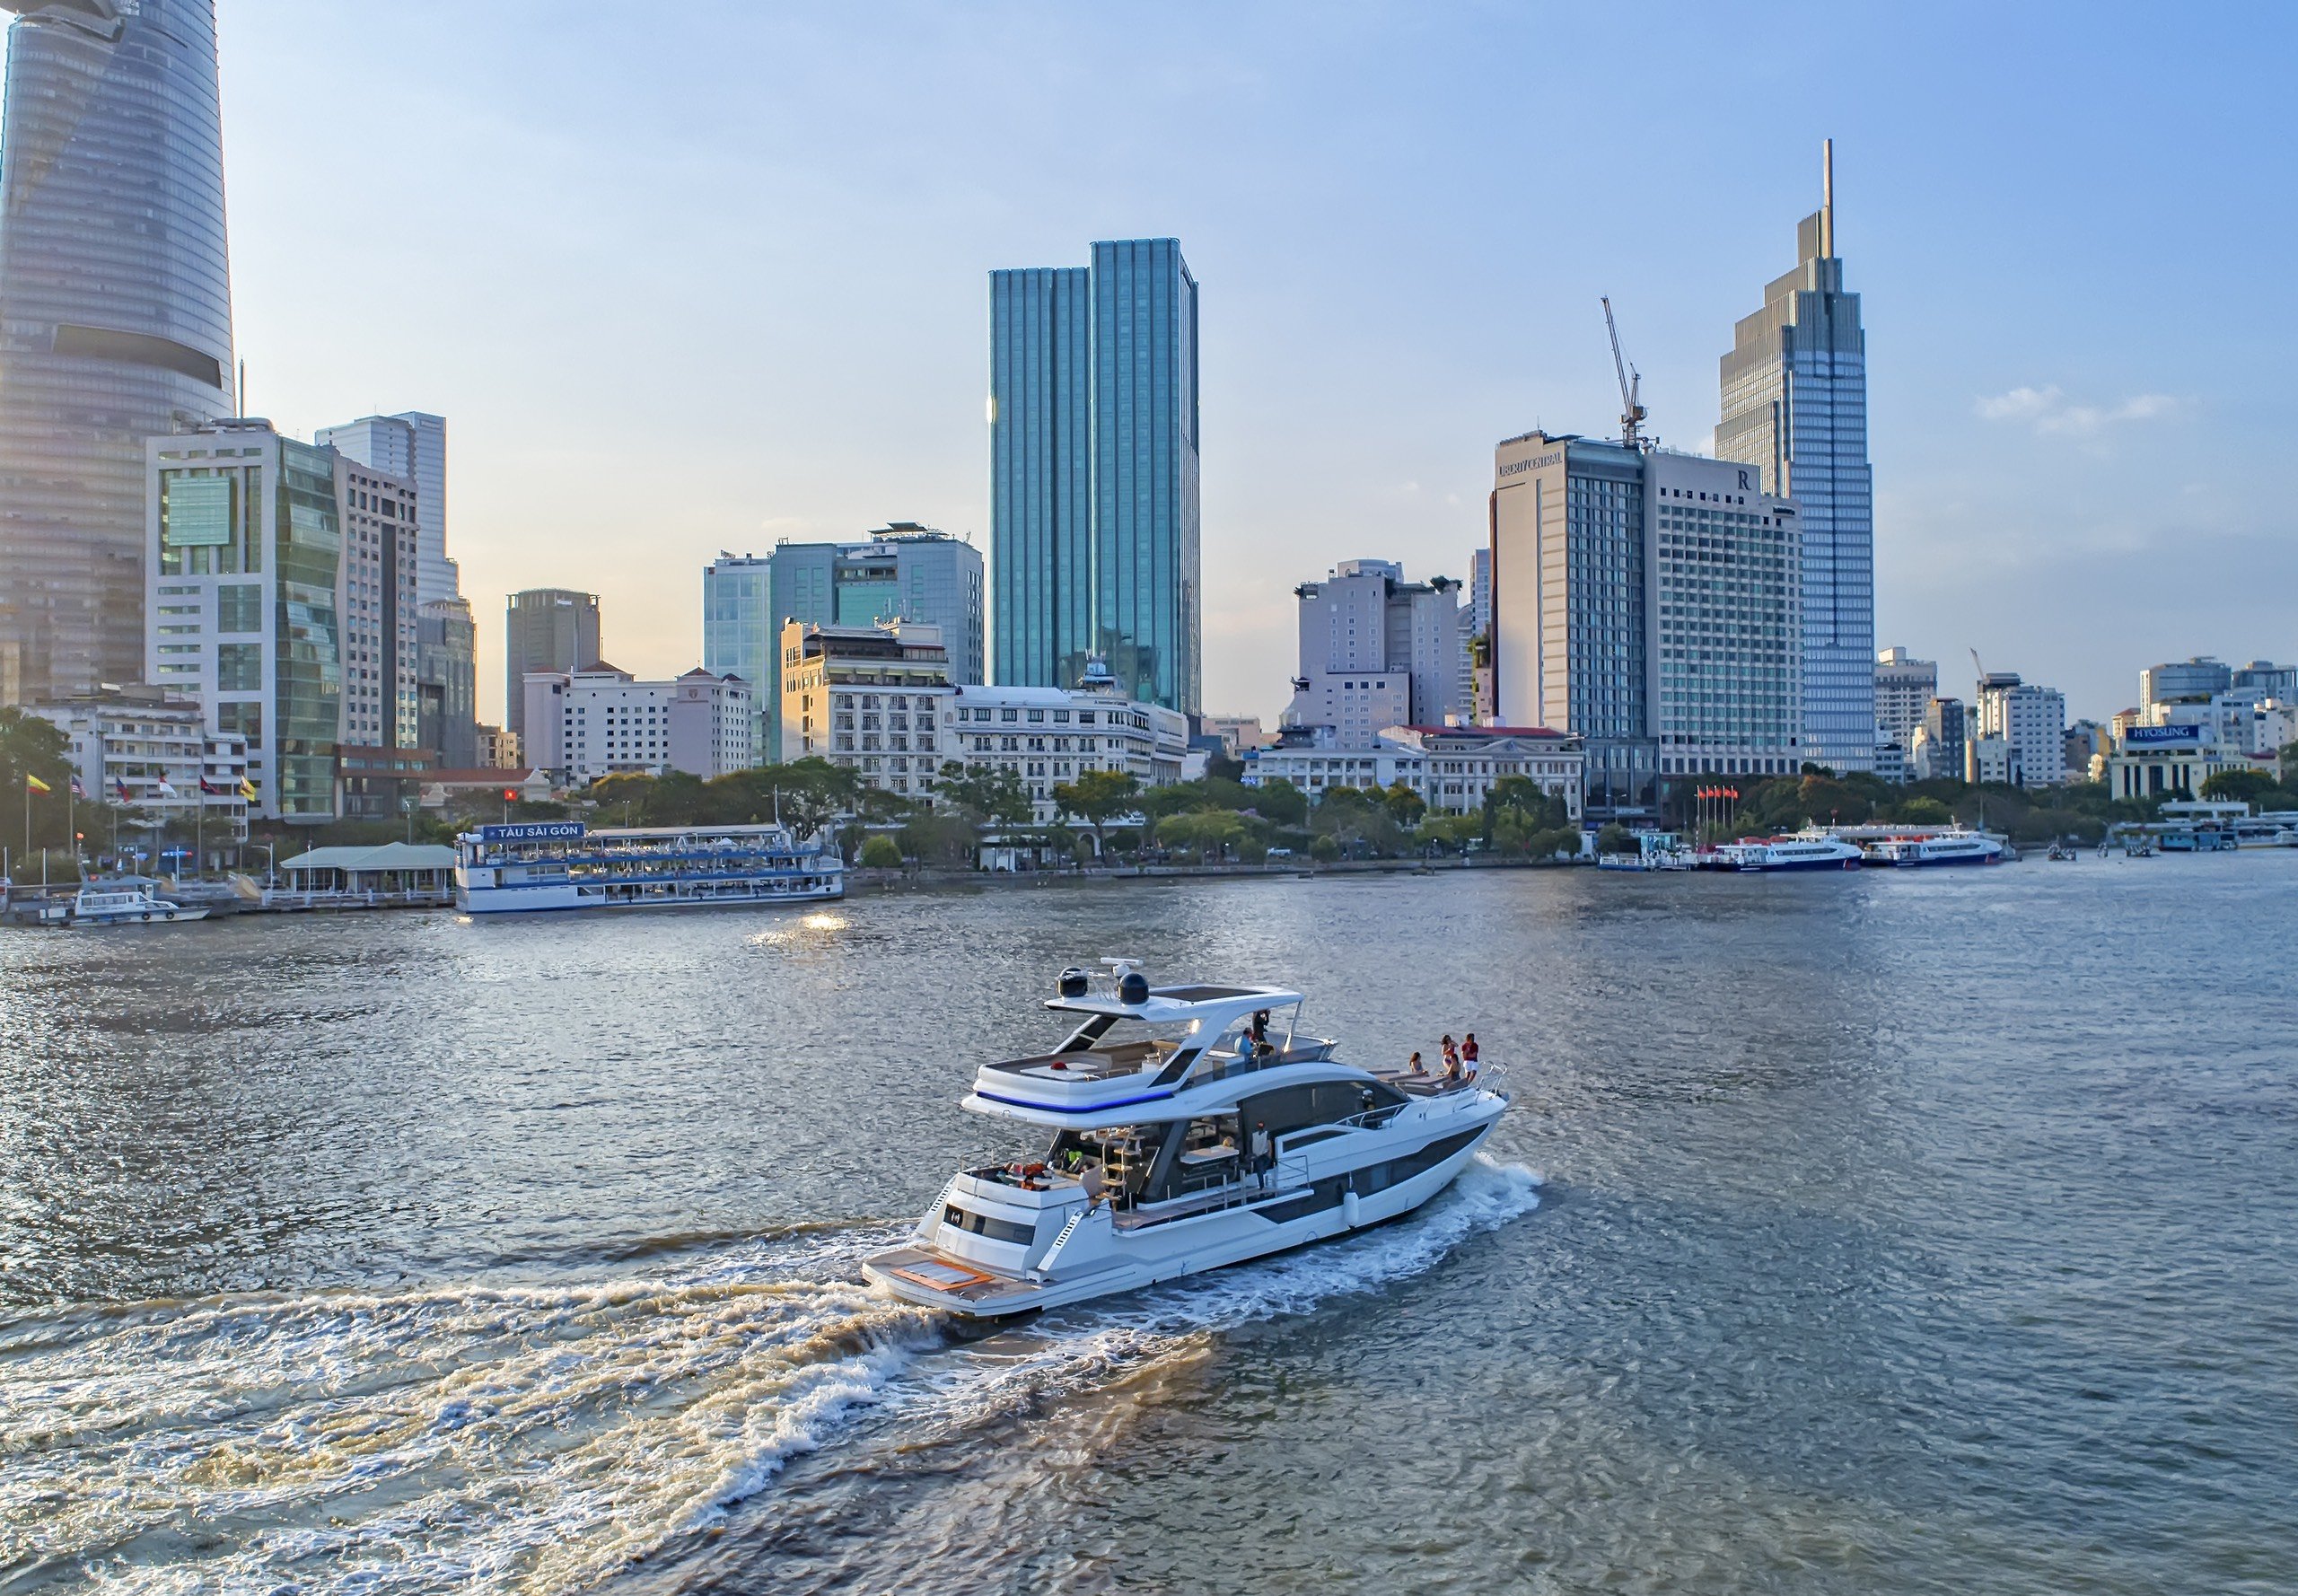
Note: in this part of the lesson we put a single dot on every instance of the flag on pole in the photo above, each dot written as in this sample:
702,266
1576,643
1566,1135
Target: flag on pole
33,784
125,796
246,787
165,790
77,790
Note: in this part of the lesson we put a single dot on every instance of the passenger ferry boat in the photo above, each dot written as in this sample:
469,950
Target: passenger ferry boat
1802,852
1944,847
1155,1106
564,864
129,903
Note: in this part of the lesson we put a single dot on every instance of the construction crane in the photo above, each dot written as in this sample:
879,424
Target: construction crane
1631,385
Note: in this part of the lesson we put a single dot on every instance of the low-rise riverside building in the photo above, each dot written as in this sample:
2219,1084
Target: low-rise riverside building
1047,736
1453,768
2173,761
152,751
602,721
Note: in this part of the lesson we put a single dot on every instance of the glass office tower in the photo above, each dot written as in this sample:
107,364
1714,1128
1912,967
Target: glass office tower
903,572
1795,404
1093,472
115,316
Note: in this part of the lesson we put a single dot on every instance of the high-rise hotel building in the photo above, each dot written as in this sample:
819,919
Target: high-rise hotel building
1649,602
1093,473
1795,406
115,316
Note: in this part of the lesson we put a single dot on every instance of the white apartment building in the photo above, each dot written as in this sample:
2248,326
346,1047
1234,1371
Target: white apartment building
1050,735
602,721
1453,768
2033,720
867,699
1993,760
152,751
1904,689
1377,651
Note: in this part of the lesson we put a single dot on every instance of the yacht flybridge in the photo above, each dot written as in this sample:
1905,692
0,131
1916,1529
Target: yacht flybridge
1190,1126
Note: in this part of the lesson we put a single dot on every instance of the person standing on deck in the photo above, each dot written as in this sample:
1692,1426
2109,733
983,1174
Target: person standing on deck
1258,1149
1468,1053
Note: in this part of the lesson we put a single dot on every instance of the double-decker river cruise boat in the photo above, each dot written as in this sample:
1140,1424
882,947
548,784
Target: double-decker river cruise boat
1187,1127
555,864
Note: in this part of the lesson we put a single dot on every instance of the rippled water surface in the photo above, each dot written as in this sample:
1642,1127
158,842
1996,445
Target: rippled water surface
1900,1231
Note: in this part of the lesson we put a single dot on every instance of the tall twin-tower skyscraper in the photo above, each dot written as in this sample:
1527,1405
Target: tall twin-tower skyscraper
115,315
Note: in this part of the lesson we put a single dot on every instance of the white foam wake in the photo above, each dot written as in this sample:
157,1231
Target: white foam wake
533,1439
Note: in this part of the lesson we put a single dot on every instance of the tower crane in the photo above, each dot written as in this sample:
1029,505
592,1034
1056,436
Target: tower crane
1631,386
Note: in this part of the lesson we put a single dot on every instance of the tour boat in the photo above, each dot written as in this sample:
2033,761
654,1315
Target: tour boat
1191,1127
1791,852
129,903
1944,847
564,864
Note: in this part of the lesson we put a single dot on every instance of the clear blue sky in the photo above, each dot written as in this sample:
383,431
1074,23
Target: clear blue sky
693,276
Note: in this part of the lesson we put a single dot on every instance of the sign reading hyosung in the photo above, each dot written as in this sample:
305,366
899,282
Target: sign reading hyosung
534,831
2163,737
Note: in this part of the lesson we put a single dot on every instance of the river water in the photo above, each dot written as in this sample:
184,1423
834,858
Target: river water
1896,1231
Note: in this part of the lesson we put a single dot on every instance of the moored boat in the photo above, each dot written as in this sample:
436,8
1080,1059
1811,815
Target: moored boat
1187,1127
564,864
129,903
1936,848
1800,852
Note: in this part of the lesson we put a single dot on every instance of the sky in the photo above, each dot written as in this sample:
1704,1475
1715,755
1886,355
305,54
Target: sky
693,277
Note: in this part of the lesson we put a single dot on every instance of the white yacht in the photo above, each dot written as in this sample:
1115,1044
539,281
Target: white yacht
1802,851
127,903
1157,1107
564,864
1944,847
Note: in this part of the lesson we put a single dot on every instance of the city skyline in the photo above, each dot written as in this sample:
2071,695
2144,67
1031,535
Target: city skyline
1364,355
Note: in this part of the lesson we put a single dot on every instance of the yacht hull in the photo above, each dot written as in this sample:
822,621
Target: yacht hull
1097,1255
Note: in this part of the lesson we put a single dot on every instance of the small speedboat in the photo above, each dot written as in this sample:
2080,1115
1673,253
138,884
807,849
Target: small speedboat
127,903
1185,1127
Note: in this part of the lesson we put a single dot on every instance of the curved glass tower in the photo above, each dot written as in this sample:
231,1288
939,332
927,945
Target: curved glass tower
115,315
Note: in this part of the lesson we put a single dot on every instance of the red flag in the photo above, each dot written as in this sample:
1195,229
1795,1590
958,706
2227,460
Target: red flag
510,796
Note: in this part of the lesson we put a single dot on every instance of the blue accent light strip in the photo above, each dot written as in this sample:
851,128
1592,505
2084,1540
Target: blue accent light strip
1122,1103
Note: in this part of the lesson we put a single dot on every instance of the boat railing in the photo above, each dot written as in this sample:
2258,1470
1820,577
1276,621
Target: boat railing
1219,1066
1094,1064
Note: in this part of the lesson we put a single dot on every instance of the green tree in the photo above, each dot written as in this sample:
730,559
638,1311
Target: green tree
1097,797
1205,831
990,794
1280,802
944,839
30,747
2238,787
881,852
1404,806
1615,838
1924,811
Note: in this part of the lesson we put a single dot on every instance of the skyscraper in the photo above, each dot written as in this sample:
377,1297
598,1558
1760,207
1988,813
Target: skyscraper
115,316
1795,405
1649,602
902,572
249,577
1093,472
545,629
412,445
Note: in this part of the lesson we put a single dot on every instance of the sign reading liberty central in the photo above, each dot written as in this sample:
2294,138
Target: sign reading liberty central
1516,467
533,832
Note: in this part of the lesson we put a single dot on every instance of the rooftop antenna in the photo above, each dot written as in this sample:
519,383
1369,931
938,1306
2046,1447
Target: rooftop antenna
1631,385
1827,198
243,390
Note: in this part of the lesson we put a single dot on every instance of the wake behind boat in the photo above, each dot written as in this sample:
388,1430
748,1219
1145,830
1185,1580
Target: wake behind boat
1185,1137
561,864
